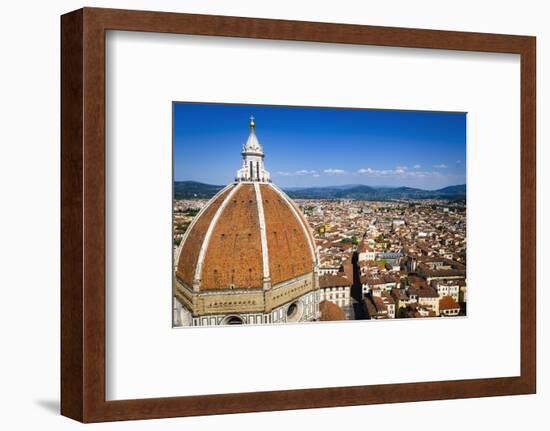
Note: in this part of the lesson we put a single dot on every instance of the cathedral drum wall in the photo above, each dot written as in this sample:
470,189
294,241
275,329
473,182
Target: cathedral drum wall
227,303
289,291
302,309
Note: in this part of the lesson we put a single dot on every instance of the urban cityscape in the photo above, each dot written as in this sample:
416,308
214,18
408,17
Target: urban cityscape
380,260
255,253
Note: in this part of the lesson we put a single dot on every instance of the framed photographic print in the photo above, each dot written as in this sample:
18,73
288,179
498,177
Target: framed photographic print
245,201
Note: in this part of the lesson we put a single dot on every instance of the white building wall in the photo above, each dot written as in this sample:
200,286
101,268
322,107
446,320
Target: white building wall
340,296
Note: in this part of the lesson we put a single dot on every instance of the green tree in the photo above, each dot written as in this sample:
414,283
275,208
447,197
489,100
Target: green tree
192,212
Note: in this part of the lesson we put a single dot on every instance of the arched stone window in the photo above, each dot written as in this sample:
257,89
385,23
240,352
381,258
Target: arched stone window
233,320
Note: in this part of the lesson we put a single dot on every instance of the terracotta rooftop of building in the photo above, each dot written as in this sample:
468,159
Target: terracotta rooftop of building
448,303
399,294
330,280
330,311
425,292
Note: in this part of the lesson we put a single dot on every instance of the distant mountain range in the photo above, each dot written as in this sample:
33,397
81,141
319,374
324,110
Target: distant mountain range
193,189
363,192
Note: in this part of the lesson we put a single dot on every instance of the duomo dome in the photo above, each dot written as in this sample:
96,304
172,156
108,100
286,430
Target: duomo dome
249,256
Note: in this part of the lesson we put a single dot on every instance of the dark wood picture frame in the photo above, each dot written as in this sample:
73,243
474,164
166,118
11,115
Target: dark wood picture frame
83,214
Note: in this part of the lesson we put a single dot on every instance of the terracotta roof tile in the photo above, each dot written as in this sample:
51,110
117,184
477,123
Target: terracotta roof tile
448,303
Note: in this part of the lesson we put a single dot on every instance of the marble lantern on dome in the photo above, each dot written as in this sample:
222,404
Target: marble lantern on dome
253,159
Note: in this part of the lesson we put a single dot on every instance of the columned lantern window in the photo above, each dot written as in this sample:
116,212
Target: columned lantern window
253,159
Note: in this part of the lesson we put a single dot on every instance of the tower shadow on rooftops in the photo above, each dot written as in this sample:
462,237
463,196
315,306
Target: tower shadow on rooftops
357,290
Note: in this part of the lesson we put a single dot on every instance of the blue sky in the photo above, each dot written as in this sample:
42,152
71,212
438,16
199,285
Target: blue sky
322,146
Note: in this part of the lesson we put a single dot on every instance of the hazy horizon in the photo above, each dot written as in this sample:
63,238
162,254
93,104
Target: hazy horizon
330,186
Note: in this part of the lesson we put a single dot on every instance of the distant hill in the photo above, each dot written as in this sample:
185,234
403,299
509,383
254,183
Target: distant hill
362,192
461,189
193,189
379,193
